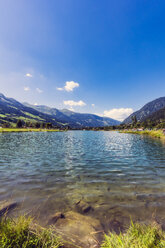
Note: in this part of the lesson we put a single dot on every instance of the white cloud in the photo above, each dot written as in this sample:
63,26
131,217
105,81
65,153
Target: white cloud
73,103
39,90
69,86
93,105
26,88
35,103
60,89
28,75
118,114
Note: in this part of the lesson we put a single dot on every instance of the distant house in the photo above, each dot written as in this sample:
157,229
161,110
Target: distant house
140,129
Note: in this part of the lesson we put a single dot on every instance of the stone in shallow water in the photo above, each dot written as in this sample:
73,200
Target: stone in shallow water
55,218
83,231
7,207
83,207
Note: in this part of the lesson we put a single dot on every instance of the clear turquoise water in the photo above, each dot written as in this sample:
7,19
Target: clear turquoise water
119,175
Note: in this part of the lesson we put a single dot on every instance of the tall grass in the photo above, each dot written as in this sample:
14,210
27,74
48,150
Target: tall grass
137,236
154,133
19,234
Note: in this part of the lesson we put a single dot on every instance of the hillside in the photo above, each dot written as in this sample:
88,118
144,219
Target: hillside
74,119
147,110
157,116
12,110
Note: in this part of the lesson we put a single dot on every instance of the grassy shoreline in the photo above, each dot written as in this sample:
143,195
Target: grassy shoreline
153,133
22,232
10,130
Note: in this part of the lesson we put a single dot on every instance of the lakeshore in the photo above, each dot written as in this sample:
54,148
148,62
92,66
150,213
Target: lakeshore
24,232
153,133
18,130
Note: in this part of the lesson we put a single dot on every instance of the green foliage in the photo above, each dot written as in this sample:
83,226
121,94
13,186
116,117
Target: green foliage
160,124
19,124
154,133
134,119
6,125
48,125
16,234
43,125
137,236
20,233
37,125
32,116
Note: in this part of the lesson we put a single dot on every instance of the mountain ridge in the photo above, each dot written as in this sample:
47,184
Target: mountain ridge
74,118
157,116
12,110
147,110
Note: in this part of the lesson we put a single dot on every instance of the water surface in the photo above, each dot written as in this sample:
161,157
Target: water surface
119,175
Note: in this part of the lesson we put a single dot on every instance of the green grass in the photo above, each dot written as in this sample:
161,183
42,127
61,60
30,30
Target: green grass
19,234
22,233
33,116
12,107
1,115
9,130
154,133
24,118
137,236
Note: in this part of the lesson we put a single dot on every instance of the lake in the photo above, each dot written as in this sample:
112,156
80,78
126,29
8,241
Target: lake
121,176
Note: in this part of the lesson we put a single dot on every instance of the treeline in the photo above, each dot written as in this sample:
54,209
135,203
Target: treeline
29,124
145,125
148,124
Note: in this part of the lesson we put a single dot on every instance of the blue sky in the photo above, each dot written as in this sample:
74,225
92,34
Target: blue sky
105,57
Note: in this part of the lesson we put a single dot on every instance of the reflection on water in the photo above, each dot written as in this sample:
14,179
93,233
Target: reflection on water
120,175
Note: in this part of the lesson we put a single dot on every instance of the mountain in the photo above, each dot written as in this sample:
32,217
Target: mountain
74,119
157,116
12,110
89,120
147,110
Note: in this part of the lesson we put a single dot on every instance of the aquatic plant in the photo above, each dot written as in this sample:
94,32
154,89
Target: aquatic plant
137,236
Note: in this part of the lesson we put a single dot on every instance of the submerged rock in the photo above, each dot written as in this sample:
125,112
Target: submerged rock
6,208
55,218
83,207
83,231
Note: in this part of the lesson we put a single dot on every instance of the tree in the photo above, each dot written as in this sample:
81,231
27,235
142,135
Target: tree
37,125
19,123
134,119
48,125
27,123
43,124
6,125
